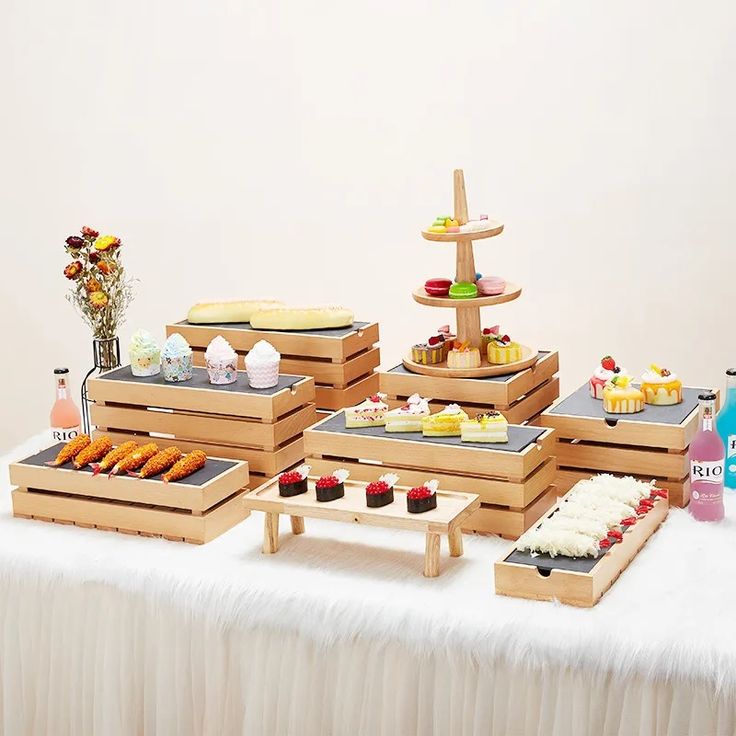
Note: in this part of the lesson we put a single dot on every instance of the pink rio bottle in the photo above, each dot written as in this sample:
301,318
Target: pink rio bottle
65,418
707,456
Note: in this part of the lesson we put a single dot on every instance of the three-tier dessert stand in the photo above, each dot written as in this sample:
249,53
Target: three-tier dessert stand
468,310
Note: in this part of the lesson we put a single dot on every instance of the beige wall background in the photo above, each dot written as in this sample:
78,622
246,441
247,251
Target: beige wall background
294,150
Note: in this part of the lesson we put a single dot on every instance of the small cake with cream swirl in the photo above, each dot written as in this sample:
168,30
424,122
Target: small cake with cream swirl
661,387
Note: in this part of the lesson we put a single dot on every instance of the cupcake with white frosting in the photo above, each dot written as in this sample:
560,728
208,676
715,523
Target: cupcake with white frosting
262,364
176,359
221,361
145,354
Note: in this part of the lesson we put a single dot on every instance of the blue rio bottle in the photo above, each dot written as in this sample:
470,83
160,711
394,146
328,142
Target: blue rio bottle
727,429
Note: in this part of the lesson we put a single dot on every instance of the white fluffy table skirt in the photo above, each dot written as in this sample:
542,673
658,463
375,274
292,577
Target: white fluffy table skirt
339,633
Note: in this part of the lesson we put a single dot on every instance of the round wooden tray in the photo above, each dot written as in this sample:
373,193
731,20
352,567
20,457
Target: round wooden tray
494,228
528,358
511,292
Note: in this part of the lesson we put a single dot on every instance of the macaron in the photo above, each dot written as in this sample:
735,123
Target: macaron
437,287
491,285
463,290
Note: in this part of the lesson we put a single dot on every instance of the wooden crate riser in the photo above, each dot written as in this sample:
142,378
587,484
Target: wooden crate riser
624,432
338,349
498,491
215,429
333,399
525,408
653,462
575,588
678,490
194,499
324,371
210,401
454,459
146,520
267,463
510,522
470,391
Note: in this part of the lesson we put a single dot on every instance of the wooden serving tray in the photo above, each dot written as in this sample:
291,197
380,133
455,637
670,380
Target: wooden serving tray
452,509
651,444
238,399
576,582
499,392
195,509
528,447
337,344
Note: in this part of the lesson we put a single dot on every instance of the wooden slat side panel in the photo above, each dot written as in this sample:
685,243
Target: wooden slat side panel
620,459
215,429
339,398
507,522
304,344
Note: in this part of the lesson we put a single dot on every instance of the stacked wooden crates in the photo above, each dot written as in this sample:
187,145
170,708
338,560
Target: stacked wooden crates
650,445
342,361
262,426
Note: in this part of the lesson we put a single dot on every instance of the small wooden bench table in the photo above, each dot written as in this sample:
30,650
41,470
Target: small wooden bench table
452,509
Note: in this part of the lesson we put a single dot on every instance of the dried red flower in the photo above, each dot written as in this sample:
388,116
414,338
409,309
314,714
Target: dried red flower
94,256
92,284
89,232
75,242
73,270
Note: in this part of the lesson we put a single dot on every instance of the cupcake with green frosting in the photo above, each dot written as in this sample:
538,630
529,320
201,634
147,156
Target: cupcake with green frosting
145,355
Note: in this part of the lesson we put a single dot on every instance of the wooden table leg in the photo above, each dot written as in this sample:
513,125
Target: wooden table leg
432,556
297,525
270,533
455,538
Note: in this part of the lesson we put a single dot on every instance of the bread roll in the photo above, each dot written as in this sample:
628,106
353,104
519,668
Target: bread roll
207,313
308,318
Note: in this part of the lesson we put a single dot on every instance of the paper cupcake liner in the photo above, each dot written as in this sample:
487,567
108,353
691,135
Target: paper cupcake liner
263,375
176,370
222,372
145,364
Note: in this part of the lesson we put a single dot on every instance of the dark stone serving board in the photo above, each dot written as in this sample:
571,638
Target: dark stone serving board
545,562
401,370
582,404
200,379
519,437
330,332
211,470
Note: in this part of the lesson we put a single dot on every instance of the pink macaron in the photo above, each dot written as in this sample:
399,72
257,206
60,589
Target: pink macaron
490,285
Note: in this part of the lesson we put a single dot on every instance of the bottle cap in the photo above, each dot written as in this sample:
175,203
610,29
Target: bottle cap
708,396
60,371
731,371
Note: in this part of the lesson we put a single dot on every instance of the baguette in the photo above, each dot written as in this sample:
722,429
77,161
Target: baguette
207,313
307,318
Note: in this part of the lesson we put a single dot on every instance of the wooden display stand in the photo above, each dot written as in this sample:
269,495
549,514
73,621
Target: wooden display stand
195,509
652,444
468,310
342,361
513,484
262,426
579,582
519,397
452,510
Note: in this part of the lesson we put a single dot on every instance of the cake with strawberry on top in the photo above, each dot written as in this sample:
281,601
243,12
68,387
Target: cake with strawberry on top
603,373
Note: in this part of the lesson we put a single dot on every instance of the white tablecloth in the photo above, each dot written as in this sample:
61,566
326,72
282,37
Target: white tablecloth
339,633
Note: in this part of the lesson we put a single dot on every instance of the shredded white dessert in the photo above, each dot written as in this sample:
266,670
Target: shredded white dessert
590,527
557,542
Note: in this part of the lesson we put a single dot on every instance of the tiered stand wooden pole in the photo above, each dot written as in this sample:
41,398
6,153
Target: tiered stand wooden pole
468,310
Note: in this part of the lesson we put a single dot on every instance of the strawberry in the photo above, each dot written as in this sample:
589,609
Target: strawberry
604,543
435,340
608,363
628,521
616,534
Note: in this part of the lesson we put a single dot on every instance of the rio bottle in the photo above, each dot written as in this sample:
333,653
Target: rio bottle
706,465
65,418
727,430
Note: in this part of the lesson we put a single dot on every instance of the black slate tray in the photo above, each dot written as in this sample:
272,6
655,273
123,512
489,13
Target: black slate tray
209,472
